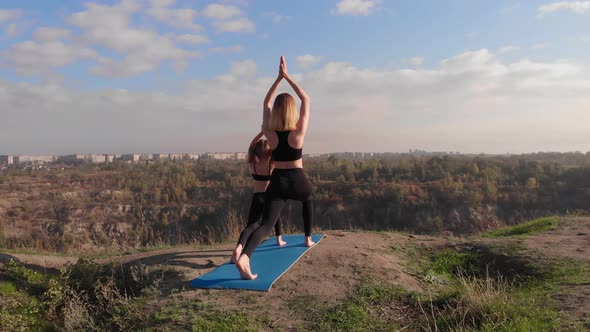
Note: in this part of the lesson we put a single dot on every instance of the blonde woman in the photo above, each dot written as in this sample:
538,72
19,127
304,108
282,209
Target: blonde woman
261,167
285,131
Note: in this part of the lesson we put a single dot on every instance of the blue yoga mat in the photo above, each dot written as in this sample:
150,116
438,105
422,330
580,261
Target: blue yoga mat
269,261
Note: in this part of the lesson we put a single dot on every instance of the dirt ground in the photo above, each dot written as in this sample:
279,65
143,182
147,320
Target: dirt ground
570,240
327,272
330,270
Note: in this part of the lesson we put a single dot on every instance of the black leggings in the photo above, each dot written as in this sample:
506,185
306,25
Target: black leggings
256,209
284,184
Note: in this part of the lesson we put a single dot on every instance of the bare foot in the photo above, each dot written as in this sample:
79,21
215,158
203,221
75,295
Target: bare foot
243,265
236,255
280,241
308,241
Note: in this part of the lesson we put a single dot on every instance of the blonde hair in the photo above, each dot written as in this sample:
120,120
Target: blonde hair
284,113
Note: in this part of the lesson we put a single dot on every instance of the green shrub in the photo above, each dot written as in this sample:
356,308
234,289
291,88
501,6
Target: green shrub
531,227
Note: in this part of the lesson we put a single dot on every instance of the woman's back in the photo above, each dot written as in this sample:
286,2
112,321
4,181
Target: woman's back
284,151
284,155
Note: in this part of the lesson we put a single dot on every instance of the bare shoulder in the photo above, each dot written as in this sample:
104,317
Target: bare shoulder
272,138
295,139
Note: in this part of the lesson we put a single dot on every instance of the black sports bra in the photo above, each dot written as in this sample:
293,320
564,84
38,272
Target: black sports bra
259,177
283,151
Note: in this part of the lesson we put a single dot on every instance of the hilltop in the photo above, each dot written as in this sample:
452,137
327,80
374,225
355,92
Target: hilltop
350,281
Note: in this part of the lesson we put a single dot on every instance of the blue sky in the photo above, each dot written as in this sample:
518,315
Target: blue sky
188,76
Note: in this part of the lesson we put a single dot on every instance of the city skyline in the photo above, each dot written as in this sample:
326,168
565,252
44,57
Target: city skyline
384,76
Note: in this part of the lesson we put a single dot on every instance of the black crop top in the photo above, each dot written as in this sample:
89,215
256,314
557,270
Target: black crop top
283,151
259,177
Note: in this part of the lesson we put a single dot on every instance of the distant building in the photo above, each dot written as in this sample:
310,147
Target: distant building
133,157
219,155
145,157
70,158
176,156
34,160
6,160
160,156
96,158
89,158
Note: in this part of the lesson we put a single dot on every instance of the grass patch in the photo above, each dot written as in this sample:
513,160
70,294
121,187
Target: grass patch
534,226
29,251
490,289
87,296
490,304
193,315
82,297
7,288
371,307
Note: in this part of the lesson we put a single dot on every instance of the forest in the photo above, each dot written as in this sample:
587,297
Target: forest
207,201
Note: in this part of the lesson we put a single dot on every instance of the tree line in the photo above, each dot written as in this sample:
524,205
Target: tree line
182,201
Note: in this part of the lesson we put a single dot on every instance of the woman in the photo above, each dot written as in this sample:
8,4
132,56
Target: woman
285,134
261,168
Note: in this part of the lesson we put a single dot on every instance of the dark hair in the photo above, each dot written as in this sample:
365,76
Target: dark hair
259,149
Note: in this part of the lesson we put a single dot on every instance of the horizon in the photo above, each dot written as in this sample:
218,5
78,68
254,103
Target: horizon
411,151
506,77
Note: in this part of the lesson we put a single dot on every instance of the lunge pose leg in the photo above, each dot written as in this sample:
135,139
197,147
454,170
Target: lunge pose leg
261,167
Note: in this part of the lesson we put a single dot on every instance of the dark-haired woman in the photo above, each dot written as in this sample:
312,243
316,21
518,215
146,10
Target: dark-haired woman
261,167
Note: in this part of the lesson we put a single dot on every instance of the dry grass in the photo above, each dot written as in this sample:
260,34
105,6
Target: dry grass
476,304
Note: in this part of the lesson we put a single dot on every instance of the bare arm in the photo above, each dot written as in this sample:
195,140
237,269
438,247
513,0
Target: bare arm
256,138
304,111
266,106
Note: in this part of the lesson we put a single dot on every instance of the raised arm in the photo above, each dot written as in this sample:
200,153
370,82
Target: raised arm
304,111
256,138
266,106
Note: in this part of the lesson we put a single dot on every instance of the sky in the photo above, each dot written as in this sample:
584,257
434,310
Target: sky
151,76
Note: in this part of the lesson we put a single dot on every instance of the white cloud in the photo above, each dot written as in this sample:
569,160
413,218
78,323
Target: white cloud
275,17
230,49
162,3
541,46
481,61
307,61
192,39
578,7
32,57
470,102
11,30
415,61
354,7
50,34
236,2
237,25
103,16
508,49
141,50
510,9
179,18
221,12
128,66
137,63
9,15
246,68
585,39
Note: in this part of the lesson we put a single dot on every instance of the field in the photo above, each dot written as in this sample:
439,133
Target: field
352,281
